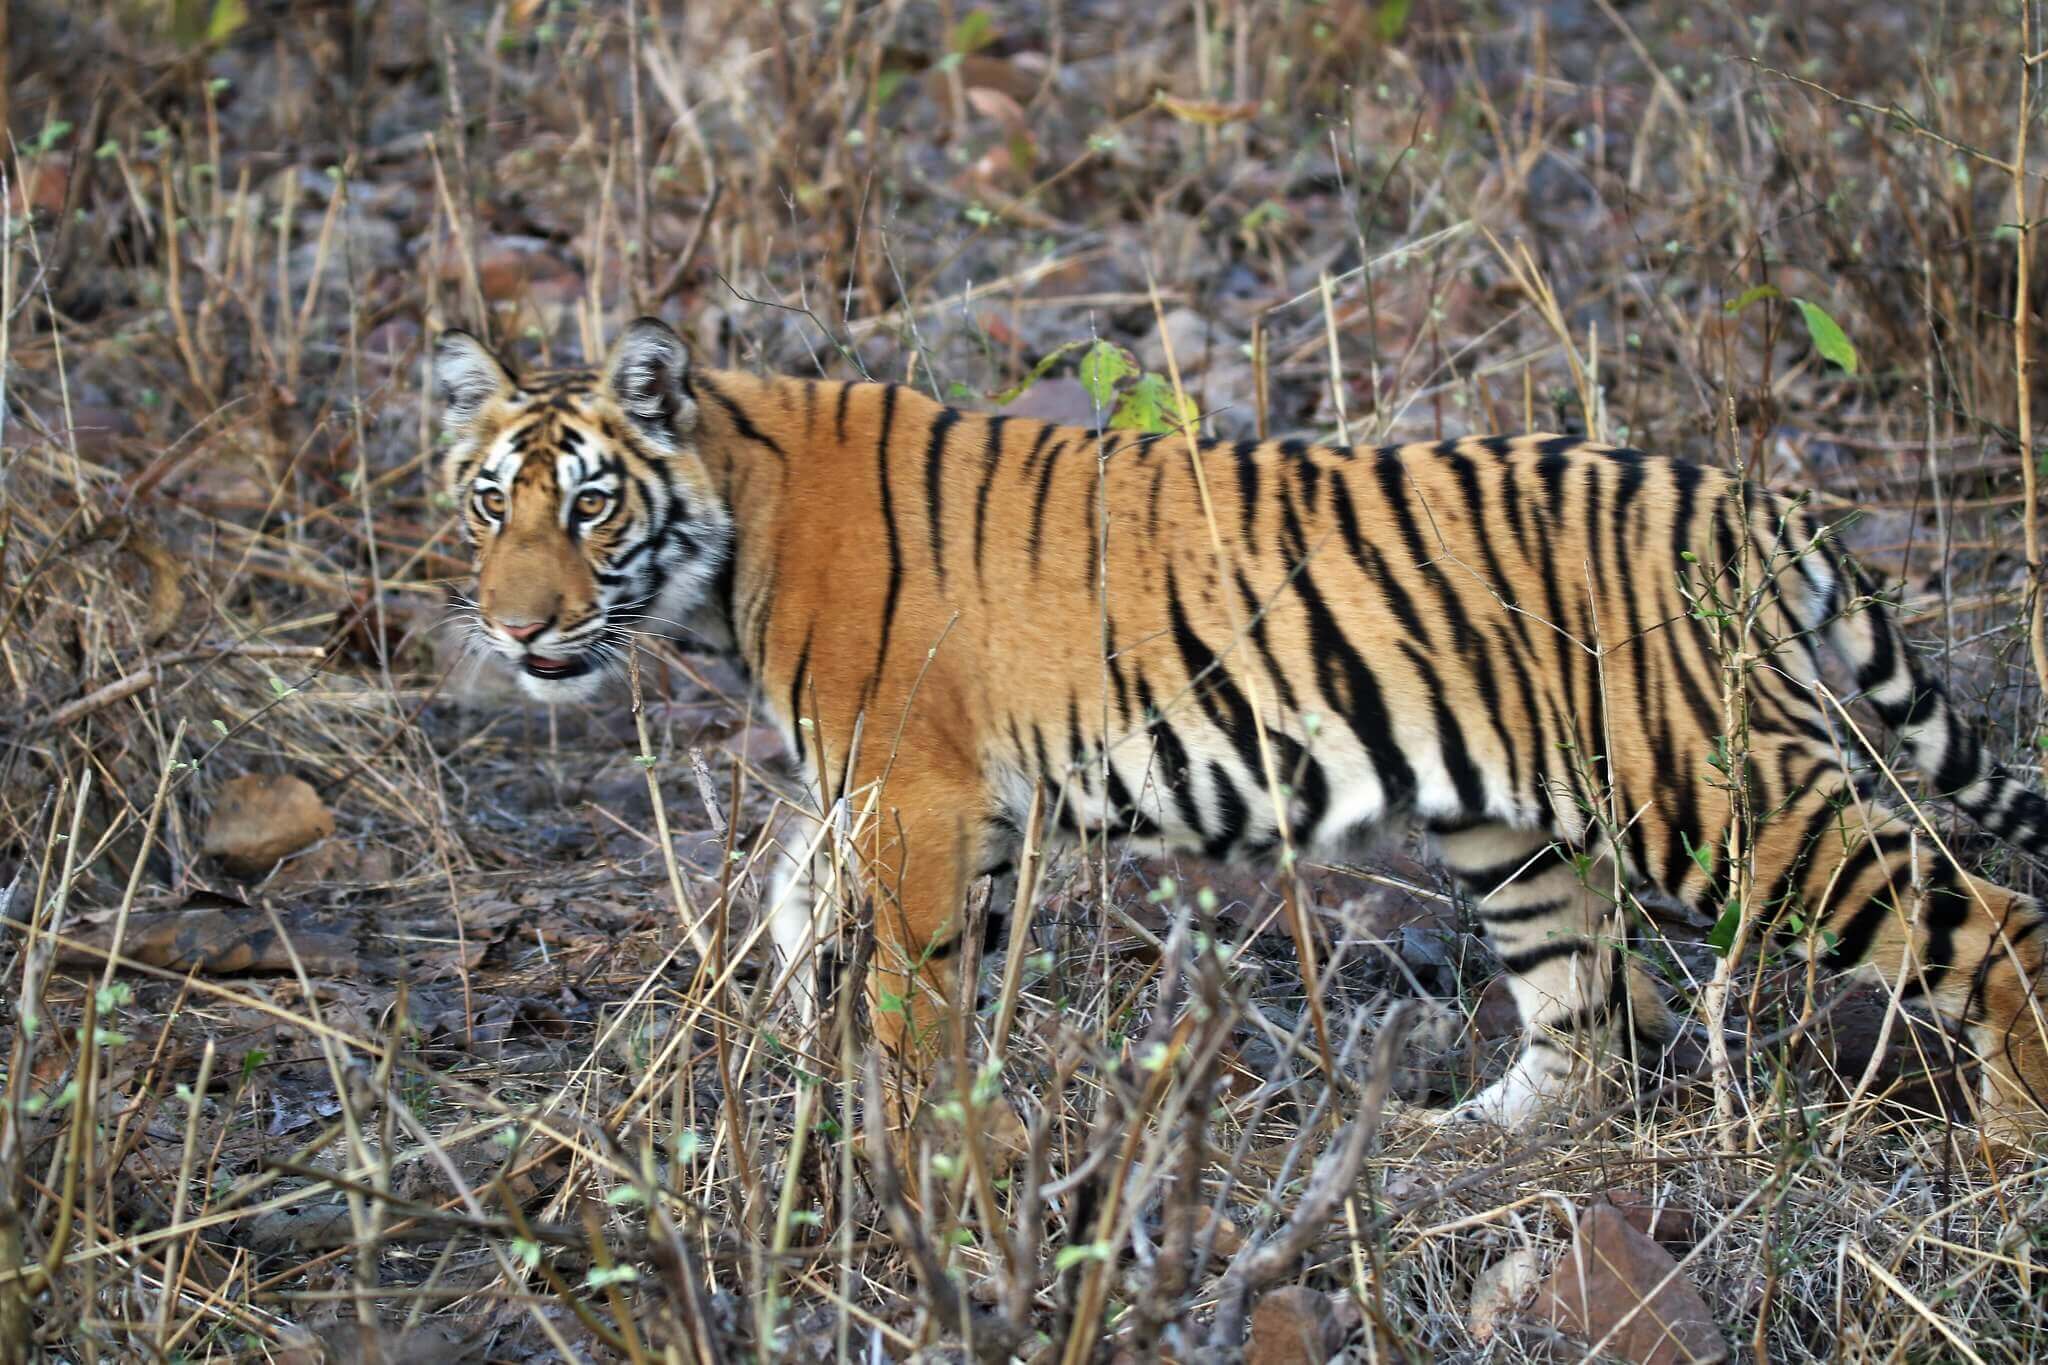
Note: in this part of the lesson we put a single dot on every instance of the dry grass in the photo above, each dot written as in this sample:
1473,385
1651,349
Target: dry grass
454,1084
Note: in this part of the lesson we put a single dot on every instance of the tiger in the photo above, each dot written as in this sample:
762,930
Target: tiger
1519,648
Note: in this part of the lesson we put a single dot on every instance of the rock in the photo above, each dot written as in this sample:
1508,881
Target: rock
391,344
1610,1275
1293,1326
1673,1228
1058,400
1227,397
260,820
1422,931
223,939
1497,1015
510,268
1227,1237
101,430
1195,343
1298,1326
1500,1289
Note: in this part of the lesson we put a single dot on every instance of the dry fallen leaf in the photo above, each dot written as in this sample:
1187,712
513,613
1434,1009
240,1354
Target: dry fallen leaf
1501,1288
1209,113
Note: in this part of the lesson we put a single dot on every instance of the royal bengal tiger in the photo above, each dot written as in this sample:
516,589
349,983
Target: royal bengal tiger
1520,645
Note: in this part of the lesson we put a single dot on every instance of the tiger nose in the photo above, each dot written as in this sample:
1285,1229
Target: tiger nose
522,631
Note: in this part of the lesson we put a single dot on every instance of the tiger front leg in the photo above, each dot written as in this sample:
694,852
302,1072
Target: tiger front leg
919,857
803,914
1558,937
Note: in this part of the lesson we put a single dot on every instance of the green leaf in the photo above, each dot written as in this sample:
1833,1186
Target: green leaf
974,32
1392,18
1066,1258
1701,854
48,136
1104,367
1038,372
887,82
1722,937
1750,295
600,1277
1150,407
227,16
1828,337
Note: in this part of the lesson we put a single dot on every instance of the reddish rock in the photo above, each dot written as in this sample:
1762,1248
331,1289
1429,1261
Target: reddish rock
1293,1326
1497,1015
1606,1289
1675,1229
259,820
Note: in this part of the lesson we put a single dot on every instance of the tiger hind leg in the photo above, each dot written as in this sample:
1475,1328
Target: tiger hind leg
1558,934
1872,897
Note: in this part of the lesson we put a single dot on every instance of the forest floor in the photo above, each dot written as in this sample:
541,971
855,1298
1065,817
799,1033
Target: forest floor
350,1011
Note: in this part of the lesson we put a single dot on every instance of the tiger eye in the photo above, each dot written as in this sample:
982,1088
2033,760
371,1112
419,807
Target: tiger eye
591,502
491,502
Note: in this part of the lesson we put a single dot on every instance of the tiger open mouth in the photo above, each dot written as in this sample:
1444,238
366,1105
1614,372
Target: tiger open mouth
541,666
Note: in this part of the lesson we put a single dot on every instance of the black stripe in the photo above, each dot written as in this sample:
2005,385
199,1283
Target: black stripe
1536,862
1826,813
1520,914
1962,759
1219,697
1852,940
934,485
1077,756
893,541
1231,813
741,423
796,696
1551,468
1393,479
1255,618
1038,505
1351,690
1095,533
1525,683
1247,488
1450,739
991,458
1374,566
1031,457
1529,959
1124,809
1945,910
1046,772
1173,756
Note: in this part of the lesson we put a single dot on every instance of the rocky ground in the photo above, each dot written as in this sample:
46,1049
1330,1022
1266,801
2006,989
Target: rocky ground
355,1017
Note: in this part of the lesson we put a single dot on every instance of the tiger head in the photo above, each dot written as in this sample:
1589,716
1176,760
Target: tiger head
585,502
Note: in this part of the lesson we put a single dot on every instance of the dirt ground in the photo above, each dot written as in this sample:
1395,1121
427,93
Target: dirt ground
350,1012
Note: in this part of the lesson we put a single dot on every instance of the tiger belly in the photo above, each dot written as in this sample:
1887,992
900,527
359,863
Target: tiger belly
1184,785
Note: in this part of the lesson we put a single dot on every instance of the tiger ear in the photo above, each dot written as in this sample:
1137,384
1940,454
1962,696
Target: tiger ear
648,375
468,375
